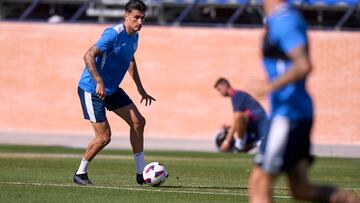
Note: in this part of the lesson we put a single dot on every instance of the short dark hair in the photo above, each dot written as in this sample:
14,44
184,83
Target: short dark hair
135,5
222,81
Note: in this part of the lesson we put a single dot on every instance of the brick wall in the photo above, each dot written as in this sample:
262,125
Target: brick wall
41,65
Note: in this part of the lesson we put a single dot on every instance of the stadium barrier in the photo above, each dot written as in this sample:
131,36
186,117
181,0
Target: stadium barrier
329,14
41,65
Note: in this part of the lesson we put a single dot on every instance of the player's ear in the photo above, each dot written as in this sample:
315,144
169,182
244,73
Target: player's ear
126,14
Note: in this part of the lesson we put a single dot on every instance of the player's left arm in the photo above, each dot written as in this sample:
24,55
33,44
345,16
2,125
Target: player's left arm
133,71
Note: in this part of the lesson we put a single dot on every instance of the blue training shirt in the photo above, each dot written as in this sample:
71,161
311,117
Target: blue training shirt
242,101
286,30
117,50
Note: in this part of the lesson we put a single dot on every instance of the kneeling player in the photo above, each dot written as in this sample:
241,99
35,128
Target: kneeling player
250,122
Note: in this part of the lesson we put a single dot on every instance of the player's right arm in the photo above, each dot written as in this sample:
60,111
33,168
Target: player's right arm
240,120
104,44
293,41
301,67
90,61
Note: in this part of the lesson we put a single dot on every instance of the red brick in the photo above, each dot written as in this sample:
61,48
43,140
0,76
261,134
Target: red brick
42,64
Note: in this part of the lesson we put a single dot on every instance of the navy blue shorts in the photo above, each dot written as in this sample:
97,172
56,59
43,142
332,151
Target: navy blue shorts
287,143
94,108
256,130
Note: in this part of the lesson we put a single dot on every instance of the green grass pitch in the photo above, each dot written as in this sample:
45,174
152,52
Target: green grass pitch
44,174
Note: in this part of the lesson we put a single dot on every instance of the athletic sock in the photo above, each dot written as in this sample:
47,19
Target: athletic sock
239,144
140,162
83,167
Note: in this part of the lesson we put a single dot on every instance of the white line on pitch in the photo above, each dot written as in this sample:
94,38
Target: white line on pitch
136,189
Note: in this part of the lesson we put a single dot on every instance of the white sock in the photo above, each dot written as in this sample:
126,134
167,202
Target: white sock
239,144
140,162
83,167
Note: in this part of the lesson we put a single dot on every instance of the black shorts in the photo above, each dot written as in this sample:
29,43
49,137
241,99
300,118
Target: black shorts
287,143
94,108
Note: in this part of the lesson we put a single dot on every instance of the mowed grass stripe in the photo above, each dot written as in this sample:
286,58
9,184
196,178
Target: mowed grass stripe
36,173
106,156
29,155
138,189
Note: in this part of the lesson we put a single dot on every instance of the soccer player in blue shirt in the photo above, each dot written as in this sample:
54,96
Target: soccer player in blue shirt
286,148
250,123
106,64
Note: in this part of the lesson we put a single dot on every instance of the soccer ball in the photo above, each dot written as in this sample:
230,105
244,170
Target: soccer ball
155,174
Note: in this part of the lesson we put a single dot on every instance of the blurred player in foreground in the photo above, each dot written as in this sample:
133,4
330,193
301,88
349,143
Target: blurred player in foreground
106,64
250,122
286,148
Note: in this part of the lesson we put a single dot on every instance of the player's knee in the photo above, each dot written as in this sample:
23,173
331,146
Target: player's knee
140,122
260,183
104,137
104,141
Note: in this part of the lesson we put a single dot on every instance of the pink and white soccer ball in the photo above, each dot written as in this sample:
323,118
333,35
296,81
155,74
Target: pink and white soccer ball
155,174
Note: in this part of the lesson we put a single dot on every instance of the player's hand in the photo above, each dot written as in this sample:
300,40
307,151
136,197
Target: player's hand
225,146
100,91
261,89
148,99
